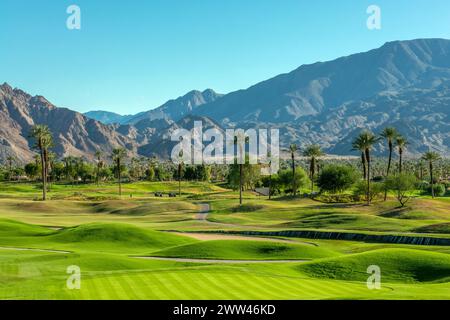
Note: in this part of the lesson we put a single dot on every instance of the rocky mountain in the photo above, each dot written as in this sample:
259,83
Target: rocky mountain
73,133
405,84
176,109
107,117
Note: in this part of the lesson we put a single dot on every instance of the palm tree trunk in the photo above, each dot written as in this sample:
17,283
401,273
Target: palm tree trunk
400,164
119,176
44,178
368,175
388,167
179,179
270,186
431,179
363,160
311,170
294,191
240,184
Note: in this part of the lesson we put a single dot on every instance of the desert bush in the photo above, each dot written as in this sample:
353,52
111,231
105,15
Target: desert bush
402,185
336,178
439,190
376,190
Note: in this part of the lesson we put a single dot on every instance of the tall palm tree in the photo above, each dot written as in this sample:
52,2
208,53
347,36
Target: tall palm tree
10,160
238,141
431,157
269,156
293,149
313,152
366,140
43,137
118,155
358,145
98,156
390,134
401,143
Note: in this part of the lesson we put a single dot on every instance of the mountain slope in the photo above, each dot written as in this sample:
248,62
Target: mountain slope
107,117
178,108
73,133
403,83
313,89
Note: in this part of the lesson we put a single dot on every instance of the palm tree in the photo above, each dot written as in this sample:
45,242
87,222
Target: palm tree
366,140
180,167
238,141
358,145
118,155
389,134
431,157
269,156
313,152
43,137
98,155
401,143
10,160
292,149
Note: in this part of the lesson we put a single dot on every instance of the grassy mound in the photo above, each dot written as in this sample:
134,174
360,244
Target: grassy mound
15,229
247,208
350,222
435,228
121,207
397,265
119,234
245,250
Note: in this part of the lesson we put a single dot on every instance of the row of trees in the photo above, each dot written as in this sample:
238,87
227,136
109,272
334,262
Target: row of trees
240,176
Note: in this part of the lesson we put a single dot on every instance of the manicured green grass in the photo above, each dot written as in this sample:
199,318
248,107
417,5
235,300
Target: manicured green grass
245,250
396,265
104,235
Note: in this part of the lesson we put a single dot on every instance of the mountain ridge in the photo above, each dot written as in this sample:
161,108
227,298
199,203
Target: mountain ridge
403,83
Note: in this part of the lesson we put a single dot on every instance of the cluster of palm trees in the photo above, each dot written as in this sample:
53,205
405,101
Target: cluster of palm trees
313,152
365,142
44,141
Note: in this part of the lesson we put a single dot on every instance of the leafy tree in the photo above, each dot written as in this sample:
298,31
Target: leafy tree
300,179
118,155
313,152
336,178
44,140
403,184
376,189
431,157
32,170
150,174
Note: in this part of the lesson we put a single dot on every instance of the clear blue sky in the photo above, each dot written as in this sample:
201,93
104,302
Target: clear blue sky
131,56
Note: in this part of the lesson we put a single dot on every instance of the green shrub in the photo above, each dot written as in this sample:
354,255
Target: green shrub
376,190
336,178
439,190
402,185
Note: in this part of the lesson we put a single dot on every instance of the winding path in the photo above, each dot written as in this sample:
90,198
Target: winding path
202,214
